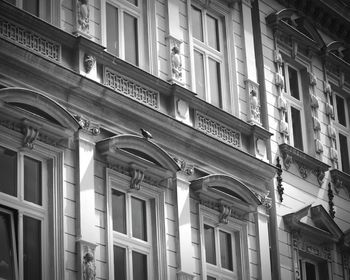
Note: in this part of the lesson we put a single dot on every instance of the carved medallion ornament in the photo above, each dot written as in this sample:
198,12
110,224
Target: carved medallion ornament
187,168
89,267
89,62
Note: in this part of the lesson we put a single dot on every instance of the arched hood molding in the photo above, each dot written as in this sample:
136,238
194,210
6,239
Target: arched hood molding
16,95
227,185
138,147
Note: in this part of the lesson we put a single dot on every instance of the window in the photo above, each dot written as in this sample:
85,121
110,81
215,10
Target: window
23,215
295,113
341,123
39,8
208,55
135,230
308,270
124,30
221,245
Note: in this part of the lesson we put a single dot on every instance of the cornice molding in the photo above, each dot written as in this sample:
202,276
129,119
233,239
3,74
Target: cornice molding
306,164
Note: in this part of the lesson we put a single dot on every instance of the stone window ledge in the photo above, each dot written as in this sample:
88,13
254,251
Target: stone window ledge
305,163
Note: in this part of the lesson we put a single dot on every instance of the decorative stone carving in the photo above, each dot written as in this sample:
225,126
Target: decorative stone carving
89,267
217,130
330,201
282,103
89,62
225,212
340,180
329,110
316,123
253,102
278,58
327,88
33,41
313,79
333,154
131,88
264,199
83,14
318,146
30,135
137,176
306,164
284,128
280,188
175,71
314,101
88,126
332,132
182,108
188,169
279,80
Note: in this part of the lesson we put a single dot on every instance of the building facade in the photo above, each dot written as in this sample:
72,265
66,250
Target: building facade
179,139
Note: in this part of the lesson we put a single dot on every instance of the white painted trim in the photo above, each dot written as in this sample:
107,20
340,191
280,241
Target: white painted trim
157,245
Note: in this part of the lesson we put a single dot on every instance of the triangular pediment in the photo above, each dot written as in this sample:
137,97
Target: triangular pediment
314,221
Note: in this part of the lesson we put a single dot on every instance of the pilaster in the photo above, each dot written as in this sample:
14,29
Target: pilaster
261,219
252,86
186,263
86,219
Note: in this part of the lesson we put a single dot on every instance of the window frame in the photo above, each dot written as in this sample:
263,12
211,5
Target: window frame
45,11
239,233
143,29
223,15
302,262
50,213
341,129
297,104
156,261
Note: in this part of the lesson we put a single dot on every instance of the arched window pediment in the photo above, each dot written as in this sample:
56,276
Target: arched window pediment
226,190
36,115
139,156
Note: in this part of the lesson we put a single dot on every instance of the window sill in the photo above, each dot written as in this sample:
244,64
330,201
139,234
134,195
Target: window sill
341,180
306,164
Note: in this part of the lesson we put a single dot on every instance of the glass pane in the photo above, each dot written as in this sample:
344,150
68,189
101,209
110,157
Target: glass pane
215,82
32,180
226,250
31,248
8,171
31,6
297,134
310,271
119,263
131,39
199,74
213,32
7,266
139,223
301,270
341,110
112,29
344,153
139,266
293,83
197,27
209,237
118,211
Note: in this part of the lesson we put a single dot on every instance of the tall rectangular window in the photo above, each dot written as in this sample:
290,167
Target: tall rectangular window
295,113
124,28
208,55
23,215
220,251
39,8
341,124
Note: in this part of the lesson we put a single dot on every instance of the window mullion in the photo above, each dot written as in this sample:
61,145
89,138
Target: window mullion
217,246
20,245
129,263
206,77
121,33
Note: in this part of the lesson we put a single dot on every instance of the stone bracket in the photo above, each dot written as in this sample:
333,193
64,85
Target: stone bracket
306,164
